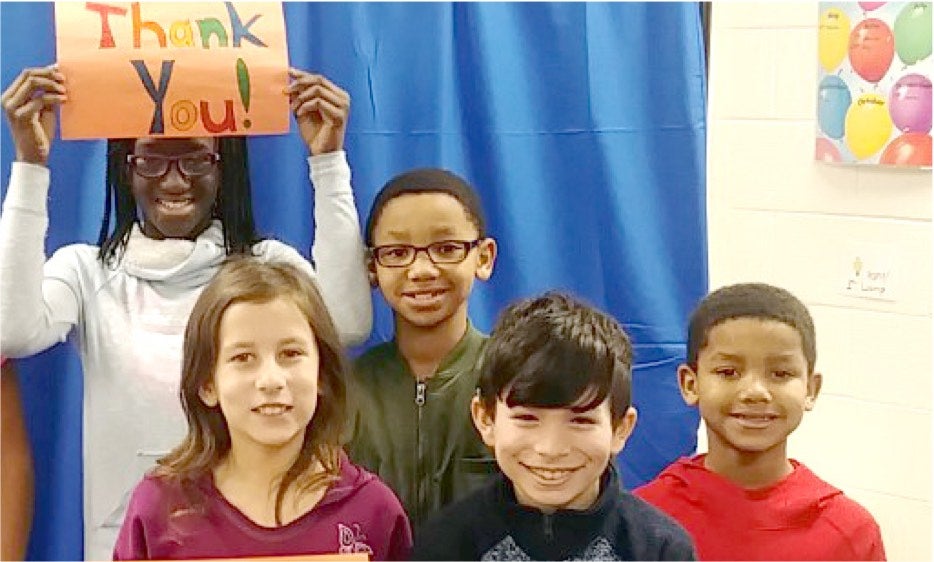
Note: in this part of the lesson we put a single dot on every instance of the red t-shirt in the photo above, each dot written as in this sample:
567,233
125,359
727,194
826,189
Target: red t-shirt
800,517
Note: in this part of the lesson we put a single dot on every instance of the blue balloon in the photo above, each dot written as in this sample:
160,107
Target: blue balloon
833,99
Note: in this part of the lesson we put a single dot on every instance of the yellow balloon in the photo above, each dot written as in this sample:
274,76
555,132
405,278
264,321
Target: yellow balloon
832,38
867,125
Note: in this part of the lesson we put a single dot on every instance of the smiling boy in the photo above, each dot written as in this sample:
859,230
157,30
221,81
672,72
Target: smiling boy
428,243
554,405
750,371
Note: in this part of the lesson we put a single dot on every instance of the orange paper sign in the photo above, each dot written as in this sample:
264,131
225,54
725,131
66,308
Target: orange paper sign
174,69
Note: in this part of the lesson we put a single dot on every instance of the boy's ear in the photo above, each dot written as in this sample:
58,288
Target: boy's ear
623,429
815,380
208,394
371,270
483,421
486,258
687,382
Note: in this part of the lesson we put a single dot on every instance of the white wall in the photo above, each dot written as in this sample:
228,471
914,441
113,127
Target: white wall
777,216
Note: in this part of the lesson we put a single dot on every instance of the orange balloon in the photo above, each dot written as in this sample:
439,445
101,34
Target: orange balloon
910,149
872,47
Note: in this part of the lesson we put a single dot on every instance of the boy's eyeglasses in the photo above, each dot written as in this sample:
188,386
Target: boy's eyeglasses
154,166
443,252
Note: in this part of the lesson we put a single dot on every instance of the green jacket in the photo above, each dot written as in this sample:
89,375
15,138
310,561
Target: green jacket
419,437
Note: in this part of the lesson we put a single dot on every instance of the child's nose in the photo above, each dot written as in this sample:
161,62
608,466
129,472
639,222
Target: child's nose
271,377
422,267
552,444
174,179
755,389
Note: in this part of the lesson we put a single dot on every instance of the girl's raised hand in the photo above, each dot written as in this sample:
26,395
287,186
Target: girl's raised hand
29,103
321,109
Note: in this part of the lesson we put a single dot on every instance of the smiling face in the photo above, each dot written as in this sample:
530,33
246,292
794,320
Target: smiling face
266,375
752,385
554,457
175,206
425,294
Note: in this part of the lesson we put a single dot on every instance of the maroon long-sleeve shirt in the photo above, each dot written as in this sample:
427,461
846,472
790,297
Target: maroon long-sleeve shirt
358,513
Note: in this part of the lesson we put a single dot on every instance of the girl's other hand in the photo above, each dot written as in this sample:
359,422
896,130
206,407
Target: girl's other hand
29,103
321,109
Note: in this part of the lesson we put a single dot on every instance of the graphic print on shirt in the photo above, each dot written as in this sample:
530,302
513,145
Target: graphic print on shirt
507,549
352,539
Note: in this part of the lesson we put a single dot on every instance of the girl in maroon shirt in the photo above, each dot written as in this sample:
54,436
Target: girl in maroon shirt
261,471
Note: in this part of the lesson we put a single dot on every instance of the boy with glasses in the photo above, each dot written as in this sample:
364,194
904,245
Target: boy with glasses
427,244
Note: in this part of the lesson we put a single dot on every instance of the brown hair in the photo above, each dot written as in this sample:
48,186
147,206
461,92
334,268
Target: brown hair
555,351
246,279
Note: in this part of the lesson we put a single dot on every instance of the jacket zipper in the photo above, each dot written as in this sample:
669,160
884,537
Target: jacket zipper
419,477
420,396
548,523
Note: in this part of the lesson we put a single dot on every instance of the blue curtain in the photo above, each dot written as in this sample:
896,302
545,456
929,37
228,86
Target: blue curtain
581,124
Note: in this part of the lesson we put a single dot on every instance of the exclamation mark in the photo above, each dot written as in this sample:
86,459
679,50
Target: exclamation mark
243,83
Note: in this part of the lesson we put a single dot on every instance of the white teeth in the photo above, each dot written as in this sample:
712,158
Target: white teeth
175,204
427,295
550,473
271,410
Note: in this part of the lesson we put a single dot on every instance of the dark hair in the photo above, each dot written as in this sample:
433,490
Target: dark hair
428,180
234,205
247,279
554,351
751,300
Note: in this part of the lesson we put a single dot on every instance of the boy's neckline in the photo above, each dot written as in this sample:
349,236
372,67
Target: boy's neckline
750,472
426,352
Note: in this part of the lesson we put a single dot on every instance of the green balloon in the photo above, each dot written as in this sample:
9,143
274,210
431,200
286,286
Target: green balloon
913,32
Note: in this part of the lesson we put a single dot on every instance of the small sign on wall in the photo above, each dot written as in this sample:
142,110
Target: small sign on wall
869,274
874,83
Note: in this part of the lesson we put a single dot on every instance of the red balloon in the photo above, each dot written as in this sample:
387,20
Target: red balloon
872,47
825,151
910,149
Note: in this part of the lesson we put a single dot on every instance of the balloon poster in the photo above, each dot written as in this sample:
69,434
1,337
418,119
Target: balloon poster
874,83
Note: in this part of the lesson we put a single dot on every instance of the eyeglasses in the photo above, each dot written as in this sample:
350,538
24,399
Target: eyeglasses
443,252
154,166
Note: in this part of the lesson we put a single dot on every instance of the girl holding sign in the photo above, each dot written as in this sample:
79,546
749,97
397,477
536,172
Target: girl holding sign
181,206
261,471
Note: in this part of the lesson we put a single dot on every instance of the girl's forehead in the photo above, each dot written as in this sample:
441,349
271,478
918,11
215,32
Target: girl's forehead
175,145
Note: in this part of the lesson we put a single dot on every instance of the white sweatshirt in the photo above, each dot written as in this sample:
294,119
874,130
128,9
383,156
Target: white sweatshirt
129,322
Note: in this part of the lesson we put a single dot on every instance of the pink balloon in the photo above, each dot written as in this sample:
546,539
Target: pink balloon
910,149
872,47
825,151
870,6
910,104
